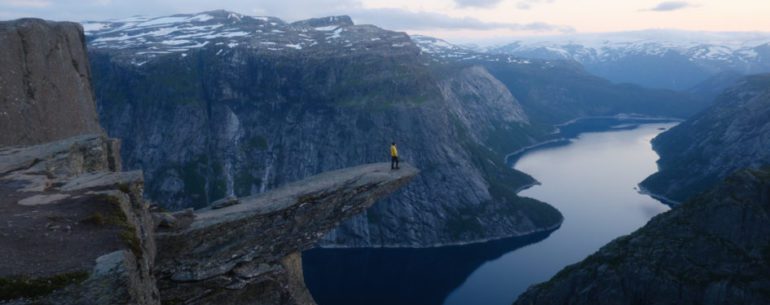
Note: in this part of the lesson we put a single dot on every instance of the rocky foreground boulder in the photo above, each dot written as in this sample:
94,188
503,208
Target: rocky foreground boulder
76,230
713,249
45,83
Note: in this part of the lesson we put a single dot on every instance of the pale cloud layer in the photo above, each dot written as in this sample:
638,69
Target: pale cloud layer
669,6
27,3
527,4
398,19
453,19
477,3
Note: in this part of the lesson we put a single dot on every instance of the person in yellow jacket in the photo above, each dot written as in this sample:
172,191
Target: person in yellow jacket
393,156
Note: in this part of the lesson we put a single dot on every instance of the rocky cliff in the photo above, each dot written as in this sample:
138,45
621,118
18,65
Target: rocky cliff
248,104
731,135
248,250
713,249
77,230
45,91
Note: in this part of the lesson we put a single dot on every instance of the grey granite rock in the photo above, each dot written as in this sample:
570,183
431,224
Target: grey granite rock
45,83
79,226
75,219
77,229
235,246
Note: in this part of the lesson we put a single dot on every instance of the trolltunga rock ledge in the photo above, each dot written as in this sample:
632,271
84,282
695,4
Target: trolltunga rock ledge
215,243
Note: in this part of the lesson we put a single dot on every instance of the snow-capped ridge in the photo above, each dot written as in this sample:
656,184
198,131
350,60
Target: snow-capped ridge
441,50
141,39
672,59
331,21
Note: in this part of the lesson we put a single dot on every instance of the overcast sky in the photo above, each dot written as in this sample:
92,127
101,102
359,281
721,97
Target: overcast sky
458,20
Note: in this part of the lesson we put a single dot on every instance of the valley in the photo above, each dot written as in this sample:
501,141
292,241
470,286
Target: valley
240,116
591,179
216,157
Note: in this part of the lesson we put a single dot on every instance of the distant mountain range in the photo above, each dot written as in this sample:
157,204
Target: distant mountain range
662,59
676,60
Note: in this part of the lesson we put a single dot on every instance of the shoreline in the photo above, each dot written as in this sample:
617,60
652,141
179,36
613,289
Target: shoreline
511,157
663,199
621,116
549,230
523,150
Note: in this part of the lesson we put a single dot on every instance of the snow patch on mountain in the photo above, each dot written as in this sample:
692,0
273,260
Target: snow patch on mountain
604,47
440,51
141,39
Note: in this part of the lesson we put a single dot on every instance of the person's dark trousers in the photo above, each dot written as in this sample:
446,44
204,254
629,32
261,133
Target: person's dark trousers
394,163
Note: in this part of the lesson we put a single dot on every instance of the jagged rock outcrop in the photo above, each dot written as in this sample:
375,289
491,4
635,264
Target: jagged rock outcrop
713,249
45,83
78,230
731,135
266,102
214,255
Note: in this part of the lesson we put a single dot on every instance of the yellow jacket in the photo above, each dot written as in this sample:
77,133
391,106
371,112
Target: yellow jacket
393,151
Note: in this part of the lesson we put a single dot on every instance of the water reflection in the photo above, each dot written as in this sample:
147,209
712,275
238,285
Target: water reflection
398,276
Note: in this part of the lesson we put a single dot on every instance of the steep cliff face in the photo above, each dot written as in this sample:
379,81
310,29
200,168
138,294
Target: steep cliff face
249,114
45,89
713,249
78,230
732,134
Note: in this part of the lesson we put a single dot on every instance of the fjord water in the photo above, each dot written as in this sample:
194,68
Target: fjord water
591,179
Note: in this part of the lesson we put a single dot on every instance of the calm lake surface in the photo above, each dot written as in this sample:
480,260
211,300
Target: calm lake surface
591,179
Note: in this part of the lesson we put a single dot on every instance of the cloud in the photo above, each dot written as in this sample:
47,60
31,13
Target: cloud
79,10
477,3
26,3
668,6
399,19
527,4
521,4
